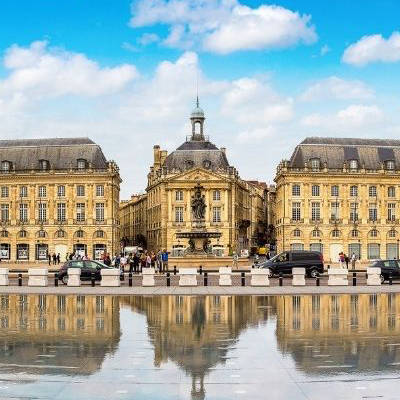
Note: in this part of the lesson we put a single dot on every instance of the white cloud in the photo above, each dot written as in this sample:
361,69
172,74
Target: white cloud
224,26
324,49
148,38
41,71
129,47
373,48
351,117
337,88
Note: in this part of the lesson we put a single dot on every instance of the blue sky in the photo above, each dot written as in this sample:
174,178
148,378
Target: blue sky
125,73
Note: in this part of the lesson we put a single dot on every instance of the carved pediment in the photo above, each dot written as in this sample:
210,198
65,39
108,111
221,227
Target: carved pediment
197,175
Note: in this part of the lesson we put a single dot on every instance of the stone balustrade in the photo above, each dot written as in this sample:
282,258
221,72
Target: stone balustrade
225,276
299,277
74,277
148,276
187,277
374,276
110,277
259,277
337,277
38,277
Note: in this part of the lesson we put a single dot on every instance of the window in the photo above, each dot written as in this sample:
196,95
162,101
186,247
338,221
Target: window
23,191
315,163
315,190
61,212
44,165
335,210
42,191
334,191
354,233
296,211
316,233
315,211
390,165
179,195
353,191
179,214
353,212
373,233
5,212
296,233
81,164
216,195
80,233
216,214
61,191
392,233
5,166
296,190
391,211
42,234
23,212
100,190
100,212
372,212
4,191
4,233
80,212
22,234
297,246
80,190
335,233
99,234
61,234
353,165
391,191
42,212
373,251
372,191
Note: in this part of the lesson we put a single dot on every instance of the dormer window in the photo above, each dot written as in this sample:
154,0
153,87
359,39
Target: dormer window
353,165
5,166
315,164
390,165
44,165
81,163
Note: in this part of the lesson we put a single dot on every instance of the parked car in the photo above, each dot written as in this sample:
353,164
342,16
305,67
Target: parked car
388,267
87,267
312,261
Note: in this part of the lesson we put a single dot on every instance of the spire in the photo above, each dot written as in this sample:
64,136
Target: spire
197,118
197,101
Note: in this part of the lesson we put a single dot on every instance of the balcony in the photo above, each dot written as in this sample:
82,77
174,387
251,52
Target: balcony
5,222
22,221
61,221
316,221
99,222
79,221
392,221
41,221
297,221
372,221
335,221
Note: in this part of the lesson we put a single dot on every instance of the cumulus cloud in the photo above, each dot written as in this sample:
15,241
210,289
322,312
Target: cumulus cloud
352,117
224,26
148,38
337,88
373,48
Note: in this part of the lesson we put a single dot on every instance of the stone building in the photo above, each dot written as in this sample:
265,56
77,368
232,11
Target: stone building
171,182
338,195
57,196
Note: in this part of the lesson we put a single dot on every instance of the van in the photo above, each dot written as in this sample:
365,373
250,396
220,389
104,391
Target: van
312,261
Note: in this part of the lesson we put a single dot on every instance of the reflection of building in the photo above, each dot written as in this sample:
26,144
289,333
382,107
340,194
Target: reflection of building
229,209
57,196
338,195
76,326
347,330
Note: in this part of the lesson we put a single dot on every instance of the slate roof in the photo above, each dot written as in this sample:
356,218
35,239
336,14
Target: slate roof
196,153
61,153
337,151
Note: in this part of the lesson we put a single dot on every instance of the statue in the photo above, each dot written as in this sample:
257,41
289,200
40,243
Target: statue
198,204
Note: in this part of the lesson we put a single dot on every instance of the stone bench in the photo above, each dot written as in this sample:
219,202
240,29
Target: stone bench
299,277
148,276
110,277
337,277
259,277
188,277
38,277
74,277
225,276
3,276
374,276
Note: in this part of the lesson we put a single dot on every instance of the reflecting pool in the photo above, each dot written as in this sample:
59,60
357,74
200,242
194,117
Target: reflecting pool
207,347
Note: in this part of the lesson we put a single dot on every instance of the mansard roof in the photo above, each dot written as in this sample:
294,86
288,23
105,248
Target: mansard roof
335,152
61,153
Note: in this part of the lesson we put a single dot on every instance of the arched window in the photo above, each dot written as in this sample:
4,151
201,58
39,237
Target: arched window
22,234
297,233
41,234
353,165
373,233
392,233
99,234
79,234
81,163
4,233
61,234
315,164
44,165
5,167
354,233
335,233
390,165
316,233
295,189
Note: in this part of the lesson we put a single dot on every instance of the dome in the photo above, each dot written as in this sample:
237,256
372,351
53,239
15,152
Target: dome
197,112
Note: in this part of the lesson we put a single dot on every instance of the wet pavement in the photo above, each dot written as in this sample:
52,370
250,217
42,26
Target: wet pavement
200,347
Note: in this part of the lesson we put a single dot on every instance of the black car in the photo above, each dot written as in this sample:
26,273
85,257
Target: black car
312,261
87,268
388,267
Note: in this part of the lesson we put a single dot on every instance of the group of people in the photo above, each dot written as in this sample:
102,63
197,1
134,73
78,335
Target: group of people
344,259
55,258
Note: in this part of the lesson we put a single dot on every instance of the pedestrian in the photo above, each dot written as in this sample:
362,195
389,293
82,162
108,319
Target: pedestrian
117,261
143,261
256,259
71,256
49,257
122,262
164,260
235,260
153,259
346,260
268,256
353,260
341,259
54,259
136,261
58,258
148,261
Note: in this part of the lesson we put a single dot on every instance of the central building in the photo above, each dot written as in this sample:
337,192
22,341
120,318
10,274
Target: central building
197,167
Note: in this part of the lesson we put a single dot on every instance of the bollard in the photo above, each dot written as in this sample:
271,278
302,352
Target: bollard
317,279
19,279
92,279
201,270
205,278
390,279
130,279
56,279
280,279
174,269
243,279
168,279
253,266
354,279
329,266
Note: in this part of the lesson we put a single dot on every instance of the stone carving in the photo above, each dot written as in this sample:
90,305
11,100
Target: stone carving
198,204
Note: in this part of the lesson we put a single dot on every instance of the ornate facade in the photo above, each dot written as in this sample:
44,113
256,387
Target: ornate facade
57,196
338,195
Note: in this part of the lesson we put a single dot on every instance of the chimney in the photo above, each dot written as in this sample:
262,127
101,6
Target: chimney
223,149
156,152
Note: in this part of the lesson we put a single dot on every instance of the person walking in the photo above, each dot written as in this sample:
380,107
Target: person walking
136,261
235,260
341,260
148,261
353,260
58,258
164,260
49,257
54,259
346,260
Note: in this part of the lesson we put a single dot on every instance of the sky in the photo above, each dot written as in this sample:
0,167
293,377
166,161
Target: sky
126,74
